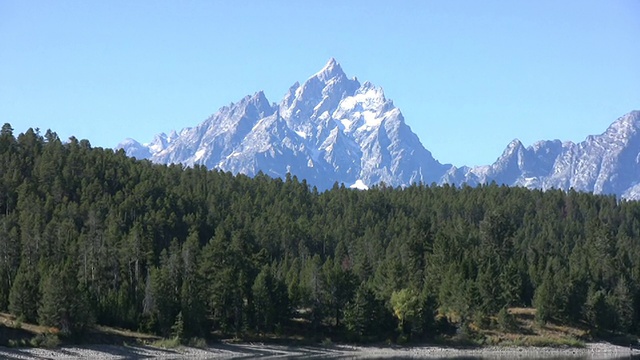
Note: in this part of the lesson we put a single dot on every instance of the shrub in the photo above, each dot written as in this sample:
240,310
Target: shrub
45,341
506,321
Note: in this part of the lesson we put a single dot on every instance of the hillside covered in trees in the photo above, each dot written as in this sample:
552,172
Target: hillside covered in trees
89,236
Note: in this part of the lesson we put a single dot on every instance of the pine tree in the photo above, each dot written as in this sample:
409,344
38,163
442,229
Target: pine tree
620,302
25,295
191,293
262,290
64,305
177,329
9,259
543,301
365,316
596,309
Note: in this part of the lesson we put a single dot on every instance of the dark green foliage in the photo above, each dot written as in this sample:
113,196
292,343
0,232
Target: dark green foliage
64,305
177,330
88,234
621,304
25,293
271,301
338,283
506,321
597,311
9,258
365,316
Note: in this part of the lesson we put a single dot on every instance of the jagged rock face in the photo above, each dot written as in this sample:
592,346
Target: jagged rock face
604,164
329,129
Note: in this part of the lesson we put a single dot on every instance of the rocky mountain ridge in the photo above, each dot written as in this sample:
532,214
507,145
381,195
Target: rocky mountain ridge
603,164
333,129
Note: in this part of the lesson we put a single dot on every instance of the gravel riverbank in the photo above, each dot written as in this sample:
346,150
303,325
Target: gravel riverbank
599,350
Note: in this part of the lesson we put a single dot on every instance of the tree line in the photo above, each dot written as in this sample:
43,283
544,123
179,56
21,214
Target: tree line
89,236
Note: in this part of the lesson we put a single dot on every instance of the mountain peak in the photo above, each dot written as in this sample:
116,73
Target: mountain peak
331,63
330,70
515,143
259,97
512,150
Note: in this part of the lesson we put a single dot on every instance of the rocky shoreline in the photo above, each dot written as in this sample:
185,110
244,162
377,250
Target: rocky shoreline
600,350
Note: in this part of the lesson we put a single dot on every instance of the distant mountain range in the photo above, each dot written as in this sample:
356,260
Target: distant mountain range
334,129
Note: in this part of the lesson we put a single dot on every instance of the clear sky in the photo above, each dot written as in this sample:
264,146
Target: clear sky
469,76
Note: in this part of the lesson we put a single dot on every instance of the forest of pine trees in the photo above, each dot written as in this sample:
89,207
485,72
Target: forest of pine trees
89,236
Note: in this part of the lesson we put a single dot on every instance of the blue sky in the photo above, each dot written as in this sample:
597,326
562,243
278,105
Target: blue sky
469,76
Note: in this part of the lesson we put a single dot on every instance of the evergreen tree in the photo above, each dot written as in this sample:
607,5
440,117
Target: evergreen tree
64,305
620,302
177,329
596,310
9,259
364,314
191,293
271,305
25,294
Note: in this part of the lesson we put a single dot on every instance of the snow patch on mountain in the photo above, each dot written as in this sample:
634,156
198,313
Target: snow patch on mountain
359,184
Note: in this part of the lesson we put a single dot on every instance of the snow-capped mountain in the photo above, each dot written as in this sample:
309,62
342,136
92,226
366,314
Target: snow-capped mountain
333,129
604,164
329,129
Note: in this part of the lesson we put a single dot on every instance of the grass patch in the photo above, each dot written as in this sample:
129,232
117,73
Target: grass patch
197,342
11,321
48,341
537,341
170,343
327,342
516,327
175,342
524,331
